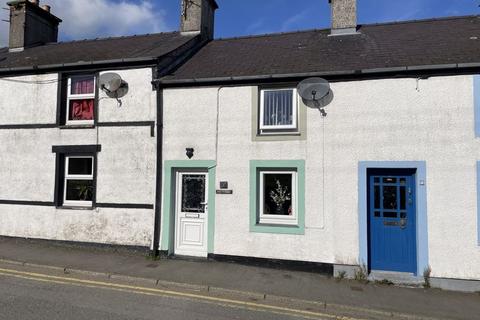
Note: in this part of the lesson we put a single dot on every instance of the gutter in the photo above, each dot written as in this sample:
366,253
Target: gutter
367,72
151,60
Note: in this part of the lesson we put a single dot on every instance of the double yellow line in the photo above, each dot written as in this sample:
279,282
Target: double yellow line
230,303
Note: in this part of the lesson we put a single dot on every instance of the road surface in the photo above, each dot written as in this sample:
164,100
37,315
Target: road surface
42,297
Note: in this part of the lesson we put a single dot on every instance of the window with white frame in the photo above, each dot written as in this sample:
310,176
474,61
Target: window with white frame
278,197
80,99
78,181
278,110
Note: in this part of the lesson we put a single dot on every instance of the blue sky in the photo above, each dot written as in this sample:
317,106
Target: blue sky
102,18
242,17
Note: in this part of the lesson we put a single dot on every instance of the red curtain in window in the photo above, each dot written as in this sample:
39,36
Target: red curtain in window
83,85
81,109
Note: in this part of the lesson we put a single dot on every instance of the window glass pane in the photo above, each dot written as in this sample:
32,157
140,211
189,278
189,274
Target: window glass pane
193,193
81,166
390,197
389,180
79,190
377,197
277,194
278,108
81,109
82,85
389,214
403,198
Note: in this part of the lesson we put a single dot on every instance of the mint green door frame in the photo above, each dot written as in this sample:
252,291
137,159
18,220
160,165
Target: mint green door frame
167,241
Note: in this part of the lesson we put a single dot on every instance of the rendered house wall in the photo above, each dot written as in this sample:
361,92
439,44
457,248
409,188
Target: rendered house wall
377,120
126,164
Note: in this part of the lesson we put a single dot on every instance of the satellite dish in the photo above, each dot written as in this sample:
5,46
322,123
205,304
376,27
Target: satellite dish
113,85
110,82
315,93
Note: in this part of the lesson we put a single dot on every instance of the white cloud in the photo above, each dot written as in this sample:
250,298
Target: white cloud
294,20
99,18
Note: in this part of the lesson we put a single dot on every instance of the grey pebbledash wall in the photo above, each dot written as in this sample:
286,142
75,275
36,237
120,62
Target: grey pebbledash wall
126,164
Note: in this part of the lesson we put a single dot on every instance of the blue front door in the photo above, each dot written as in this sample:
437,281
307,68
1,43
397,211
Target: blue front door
392,220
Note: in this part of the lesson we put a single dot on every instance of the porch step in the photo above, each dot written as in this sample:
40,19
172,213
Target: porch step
399,278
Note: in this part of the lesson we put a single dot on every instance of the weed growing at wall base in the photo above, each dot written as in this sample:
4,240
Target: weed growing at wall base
341,275
426,277
361,274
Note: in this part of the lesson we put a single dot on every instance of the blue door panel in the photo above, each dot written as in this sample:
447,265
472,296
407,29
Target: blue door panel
392,220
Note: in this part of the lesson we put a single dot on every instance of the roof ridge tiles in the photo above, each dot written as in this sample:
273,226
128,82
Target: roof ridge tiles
360,26
265,34
106,38
116,37
447,18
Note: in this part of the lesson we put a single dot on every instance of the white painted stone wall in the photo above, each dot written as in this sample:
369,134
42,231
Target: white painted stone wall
126,164
376,120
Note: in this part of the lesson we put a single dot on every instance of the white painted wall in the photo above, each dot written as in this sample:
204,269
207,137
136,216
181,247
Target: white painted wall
376,120
126,164
19,103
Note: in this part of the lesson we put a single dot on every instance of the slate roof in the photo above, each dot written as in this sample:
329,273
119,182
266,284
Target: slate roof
402,45
129,48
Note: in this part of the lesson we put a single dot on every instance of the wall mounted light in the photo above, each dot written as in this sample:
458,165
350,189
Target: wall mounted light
190,152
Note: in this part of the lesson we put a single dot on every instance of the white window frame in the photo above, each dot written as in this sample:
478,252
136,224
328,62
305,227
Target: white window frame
276,219
68,176
295,104
72,97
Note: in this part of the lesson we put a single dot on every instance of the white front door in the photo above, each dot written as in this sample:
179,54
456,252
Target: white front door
191,214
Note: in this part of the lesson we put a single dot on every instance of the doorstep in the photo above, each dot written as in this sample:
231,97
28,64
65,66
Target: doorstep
398,278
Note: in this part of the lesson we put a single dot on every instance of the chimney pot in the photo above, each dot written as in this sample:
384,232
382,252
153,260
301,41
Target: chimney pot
344,17
35,2
46,7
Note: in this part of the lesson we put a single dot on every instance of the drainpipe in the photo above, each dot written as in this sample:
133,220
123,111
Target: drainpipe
158,183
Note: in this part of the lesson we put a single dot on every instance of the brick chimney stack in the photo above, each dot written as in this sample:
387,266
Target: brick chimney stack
344,17
198,16
31,25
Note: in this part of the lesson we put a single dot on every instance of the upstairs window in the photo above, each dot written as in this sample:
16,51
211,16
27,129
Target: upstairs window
80,100
278,111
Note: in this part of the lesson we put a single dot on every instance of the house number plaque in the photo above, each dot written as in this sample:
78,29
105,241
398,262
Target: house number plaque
224,191
224,188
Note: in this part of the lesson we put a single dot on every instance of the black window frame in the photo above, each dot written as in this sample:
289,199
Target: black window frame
71,151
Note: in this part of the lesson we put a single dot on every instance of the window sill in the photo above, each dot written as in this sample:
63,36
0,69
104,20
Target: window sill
277,228
279,136
279,133
77,126
75,208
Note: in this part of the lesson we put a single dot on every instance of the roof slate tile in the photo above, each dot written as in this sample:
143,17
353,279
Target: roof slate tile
402,44
131,47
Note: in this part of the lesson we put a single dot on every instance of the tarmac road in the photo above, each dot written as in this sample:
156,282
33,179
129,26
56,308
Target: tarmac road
25,296
39,280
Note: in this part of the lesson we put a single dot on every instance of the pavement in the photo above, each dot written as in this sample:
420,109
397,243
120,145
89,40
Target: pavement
252,283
